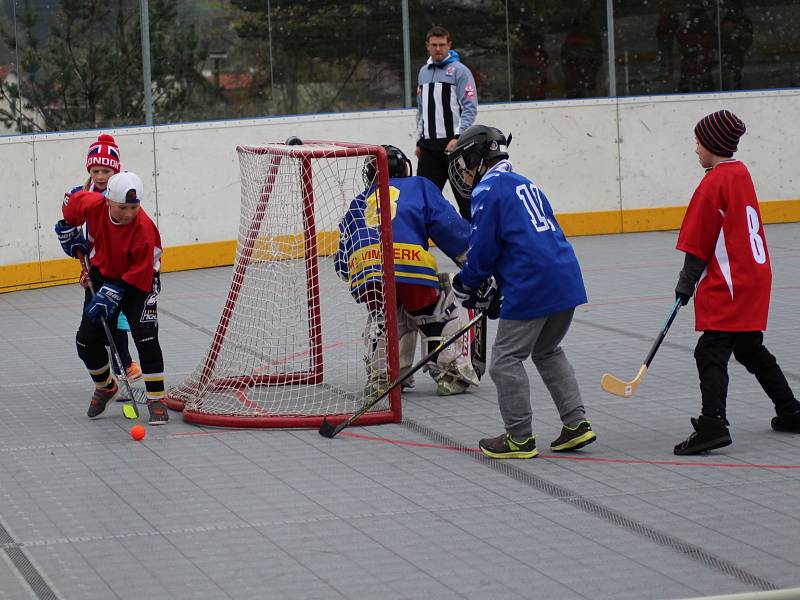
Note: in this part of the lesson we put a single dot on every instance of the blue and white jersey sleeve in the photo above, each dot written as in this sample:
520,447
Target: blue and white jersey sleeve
516,237
448,230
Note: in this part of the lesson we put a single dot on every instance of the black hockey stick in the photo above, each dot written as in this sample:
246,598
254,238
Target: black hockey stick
626,389
128,409
477,348
329,431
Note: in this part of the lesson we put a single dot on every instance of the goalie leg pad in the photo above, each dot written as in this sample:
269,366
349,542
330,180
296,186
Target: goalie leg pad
452,370
407,334
375,351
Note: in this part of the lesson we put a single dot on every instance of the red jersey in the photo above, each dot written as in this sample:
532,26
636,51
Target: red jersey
129,252
722,227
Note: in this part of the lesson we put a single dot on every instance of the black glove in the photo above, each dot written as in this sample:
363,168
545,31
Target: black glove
493,310
467,296
684,298
489,299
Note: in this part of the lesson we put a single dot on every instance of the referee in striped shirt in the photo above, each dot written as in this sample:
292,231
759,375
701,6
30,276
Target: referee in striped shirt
447,103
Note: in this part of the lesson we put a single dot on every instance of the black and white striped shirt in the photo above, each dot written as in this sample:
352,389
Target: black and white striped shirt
447,101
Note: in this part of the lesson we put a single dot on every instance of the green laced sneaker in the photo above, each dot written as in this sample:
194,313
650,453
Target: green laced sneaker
572,438
504,446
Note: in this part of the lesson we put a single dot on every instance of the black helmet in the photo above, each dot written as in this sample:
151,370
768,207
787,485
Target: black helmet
477,146
399,165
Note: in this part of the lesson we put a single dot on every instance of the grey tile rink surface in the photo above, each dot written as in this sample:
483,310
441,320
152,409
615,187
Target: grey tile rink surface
407,510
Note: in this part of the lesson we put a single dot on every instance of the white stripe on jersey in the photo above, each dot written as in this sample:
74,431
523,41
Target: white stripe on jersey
439,129
439,125
721,254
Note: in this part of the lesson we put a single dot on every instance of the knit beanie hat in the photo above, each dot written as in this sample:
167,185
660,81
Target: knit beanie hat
104,153
719,132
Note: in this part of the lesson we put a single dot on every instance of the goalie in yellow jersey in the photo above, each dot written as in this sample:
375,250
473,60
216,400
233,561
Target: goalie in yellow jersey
425,301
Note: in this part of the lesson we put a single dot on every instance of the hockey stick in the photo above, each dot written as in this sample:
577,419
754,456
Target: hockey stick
329,431
626,389
128,409
477,348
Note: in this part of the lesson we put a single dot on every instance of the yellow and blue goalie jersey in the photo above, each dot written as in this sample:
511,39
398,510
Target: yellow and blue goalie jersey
419,212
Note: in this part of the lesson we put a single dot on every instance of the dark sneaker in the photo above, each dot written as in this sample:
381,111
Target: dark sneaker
574,437
790,423
158,412
100,398
504,446
709,434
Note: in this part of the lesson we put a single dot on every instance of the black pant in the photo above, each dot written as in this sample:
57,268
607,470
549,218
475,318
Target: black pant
713,351
432,164
140,308
121,340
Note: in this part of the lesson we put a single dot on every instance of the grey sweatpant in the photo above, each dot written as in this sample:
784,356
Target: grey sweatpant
538,338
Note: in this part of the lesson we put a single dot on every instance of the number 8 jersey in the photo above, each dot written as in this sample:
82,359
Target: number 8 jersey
722,227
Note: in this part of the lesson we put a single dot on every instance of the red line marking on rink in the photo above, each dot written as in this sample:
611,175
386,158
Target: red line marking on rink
625,461
597,459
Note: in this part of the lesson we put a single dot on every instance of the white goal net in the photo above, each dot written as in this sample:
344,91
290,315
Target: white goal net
293,344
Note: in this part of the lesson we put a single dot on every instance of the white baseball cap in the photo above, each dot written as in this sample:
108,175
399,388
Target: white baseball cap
120,184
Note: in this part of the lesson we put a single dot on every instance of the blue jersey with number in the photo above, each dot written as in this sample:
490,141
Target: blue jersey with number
516,238
419,212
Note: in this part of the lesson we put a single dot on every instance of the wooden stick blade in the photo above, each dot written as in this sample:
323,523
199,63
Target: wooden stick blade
618,387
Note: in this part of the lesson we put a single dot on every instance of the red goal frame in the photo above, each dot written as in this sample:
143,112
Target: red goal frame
316,373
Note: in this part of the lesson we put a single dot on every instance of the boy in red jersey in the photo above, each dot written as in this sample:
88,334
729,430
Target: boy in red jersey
103,161
726,252
126,259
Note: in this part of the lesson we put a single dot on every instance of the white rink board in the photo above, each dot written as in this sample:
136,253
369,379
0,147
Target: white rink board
61,166
19,240
658,162
569,148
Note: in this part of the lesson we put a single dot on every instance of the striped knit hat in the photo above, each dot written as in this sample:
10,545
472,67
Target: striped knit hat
719,132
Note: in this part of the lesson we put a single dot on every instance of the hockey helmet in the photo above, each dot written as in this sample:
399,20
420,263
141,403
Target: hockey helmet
477,146
399,165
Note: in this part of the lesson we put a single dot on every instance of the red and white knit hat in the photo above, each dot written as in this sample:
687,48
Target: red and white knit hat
104,153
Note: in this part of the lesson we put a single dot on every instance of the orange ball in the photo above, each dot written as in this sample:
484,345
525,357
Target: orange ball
138,432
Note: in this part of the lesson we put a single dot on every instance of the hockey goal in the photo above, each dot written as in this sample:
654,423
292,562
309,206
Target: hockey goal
290,347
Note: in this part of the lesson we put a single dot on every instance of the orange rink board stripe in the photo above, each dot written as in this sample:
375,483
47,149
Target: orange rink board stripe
32,275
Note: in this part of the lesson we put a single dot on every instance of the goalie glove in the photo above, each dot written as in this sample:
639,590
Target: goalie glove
105,303
71,238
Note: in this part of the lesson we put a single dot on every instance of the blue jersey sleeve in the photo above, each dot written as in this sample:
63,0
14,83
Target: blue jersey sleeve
444,225
483,242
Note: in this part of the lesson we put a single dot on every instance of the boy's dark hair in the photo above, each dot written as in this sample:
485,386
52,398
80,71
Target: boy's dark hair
437,31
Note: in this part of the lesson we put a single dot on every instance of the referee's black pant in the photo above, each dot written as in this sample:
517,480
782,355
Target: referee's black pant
713,351
432,164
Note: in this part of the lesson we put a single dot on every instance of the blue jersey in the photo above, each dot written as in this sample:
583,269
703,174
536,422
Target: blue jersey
419,212
516,238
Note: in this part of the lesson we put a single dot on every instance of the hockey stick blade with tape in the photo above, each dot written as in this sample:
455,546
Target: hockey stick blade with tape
129,409
626,389
329,431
